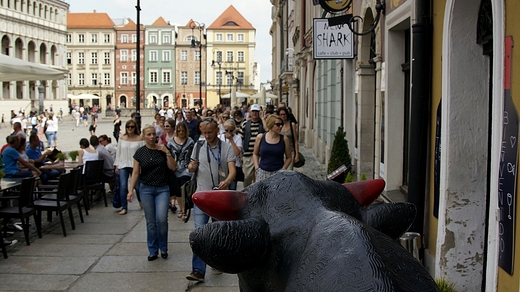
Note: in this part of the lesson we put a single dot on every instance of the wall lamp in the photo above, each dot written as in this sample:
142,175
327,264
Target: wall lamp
349,19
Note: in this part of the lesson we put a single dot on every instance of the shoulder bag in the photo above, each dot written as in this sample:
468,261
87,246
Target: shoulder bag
189,188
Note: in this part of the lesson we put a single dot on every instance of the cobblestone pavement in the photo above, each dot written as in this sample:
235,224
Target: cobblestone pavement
108,252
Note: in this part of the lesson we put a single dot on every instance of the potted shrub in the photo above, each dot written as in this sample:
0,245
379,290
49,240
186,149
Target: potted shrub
340,155
62,156
2,173
73,155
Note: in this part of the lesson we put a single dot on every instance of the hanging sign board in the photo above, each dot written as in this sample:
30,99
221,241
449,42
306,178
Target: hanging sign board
332,42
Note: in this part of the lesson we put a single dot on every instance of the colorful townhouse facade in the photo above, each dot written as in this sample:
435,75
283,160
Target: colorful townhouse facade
159,65
90,59
126,58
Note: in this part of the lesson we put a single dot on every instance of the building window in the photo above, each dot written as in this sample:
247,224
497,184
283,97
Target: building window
229,37
219,56
240,78
219,37
197,77
134,38
184,55
166,39
197,55
107,79
134,55
81,79
124,78
94,58
93,37
219,78
166,56
229,78
68,39
81,38
134,78
166,77
81,58
124,55
94,79
240,37
69,79
240,57
153,56
124,38
153,76
107,59
184,77
69,58
107,38
153,39
229,57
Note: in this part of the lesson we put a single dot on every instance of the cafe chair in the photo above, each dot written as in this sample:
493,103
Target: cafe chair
59,205
92,181
2,246
73,195
24,209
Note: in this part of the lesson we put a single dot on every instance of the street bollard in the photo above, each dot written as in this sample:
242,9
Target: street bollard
411,241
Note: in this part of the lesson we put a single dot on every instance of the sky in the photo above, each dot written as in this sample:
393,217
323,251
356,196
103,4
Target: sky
257,12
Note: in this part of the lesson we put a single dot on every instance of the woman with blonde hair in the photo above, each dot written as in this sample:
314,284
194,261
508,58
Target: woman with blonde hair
124,163
151,165
270,148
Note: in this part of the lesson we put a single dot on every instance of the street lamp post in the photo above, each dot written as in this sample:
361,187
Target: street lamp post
198,44
138,69
213,64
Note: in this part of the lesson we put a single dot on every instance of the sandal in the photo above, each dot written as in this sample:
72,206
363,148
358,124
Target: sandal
181,214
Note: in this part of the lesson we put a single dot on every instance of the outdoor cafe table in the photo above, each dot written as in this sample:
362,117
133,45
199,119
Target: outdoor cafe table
59,165
9,183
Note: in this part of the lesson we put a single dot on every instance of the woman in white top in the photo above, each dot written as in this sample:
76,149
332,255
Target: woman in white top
52,130
86,153
124,163
232,138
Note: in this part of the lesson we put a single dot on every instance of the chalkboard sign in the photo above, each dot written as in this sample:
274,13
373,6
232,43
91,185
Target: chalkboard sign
507,172
437,163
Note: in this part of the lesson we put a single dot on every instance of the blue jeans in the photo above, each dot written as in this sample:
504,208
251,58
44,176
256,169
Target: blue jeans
200,219
156,202
51,137
124,174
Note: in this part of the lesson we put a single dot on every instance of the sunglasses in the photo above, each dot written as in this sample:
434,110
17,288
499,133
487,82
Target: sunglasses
166,126
279,124
130,127
229,130
101,141
225,117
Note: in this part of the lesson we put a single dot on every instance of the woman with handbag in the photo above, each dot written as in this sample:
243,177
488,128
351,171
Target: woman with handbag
290,130
181,145
128,144
229,136
151,164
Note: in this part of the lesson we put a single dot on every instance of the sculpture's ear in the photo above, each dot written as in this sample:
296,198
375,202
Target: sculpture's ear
232,246
392,219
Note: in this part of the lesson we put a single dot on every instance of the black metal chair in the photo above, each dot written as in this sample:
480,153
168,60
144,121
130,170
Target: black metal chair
2,246
72,191
92,181
24,207
59,205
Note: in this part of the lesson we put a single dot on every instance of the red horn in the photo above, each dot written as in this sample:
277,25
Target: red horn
222,205
366,191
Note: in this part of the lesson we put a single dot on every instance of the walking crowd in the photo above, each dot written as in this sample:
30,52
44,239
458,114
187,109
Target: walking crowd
219,147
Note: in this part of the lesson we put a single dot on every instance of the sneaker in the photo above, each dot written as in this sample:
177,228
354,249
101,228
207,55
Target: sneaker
12,242
215,271
195,276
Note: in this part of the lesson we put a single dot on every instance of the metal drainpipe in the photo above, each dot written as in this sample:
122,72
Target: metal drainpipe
420,108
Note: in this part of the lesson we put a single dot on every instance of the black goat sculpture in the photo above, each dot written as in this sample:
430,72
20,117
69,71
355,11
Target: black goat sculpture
292,233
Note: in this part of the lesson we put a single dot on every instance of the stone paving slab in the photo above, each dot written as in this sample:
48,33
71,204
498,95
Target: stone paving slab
140,249
64,250
79,239
124,264
162,281
31,282
44,265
